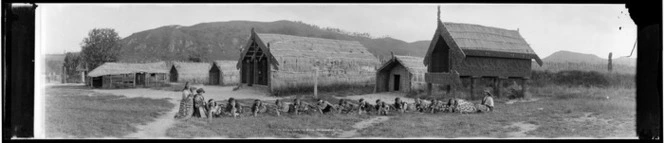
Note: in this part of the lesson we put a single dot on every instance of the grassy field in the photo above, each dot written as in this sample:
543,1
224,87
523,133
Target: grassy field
74,112
559,112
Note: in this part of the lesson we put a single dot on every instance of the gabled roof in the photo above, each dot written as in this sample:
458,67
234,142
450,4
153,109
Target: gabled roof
227,66
278,46
478,40
111,68
191,68
412,64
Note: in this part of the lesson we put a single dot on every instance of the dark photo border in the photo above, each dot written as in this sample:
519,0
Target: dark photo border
18,61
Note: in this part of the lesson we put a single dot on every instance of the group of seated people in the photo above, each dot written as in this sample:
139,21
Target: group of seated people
193,105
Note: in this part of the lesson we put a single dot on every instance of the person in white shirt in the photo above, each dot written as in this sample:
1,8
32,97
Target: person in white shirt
488,100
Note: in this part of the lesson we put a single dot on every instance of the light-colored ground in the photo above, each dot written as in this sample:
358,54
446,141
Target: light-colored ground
157,128
522,129
362,125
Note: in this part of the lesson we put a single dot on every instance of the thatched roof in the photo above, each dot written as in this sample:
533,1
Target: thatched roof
478,40
412,64
111,68
227,66
279,47
190,69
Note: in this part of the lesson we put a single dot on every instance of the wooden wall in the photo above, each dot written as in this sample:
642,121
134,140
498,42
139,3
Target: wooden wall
493,67
127,80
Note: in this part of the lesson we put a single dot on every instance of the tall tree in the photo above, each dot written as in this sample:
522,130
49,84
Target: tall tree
72,60
102,45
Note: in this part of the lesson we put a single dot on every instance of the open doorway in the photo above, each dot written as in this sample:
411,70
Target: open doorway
397,82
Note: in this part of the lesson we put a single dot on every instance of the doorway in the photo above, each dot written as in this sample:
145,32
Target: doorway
140,79
397,82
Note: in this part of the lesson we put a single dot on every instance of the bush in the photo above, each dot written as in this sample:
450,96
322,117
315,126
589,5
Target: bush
582,78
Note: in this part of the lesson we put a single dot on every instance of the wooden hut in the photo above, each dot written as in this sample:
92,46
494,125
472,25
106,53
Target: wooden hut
401,73
223,72
128,75
195,73
474,51
281,62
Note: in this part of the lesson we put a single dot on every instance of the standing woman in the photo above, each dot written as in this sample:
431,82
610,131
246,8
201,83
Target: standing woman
186,104
186,91
199,104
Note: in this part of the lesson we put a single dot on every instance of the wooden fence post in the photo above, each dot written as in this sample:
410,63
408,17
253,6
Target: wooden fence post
315,82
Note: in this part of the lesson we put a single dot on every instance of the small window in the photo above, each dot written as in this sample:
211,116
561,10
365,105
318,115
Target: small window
152,75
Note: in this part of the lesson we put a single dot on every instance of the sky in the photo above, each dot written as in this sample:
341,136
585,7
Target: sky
591,28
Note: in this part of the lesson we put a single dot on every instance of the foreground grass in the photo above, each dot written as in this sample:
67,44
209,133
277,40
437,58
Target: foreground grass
265,126
559,112
554,113
73,111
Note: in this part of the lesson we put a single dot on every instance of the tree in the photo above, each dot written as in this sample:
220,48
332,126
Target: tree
102,45
72,60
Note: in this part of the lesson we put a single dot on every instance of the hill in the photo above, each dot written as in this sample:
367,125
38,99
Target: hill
223,40
574,57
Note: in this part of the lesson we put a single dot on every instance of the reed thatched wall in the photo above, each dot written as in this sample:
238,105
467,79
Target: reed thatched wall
340,62
192,72
230,75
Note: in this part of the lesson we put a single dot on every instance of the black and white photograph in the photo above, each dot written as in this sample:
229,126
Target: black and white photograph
335,71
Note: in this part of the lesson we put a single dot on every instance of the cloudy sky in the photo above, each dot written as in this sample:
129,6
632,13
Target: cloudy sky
594,29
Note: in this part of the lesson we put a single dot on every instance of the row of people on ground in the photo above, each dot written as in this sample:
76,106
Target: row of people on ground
193,104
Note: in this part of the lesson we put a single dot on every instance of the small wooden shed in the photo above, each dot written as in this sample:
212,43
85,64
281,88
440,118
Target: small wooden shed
195,73
401,73
283,62
460,50
223,72
128,75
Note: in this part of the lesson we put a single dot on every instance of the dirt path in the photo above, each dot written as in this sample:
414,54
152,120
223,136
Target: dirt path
157,128
523,128
361,125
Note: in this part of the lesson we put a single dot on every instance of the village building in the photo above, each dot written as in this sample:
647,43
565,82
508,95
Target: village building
401,73
128,75
224,72
284,62
473,51
194,73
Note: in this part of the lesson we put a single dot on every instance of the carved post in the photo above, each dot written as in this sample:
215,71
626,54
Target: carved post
498,88
429,88
524,88
472,87
316,82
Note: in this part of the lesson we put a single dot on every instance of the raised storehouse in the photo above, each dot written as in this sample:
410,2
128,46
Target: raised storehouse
281,62
128,75
224,72
473,51
196,73
401,73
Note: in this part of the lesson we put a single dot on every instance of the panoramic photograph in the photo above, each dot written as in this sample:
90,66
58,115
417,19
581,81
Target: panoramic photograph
335,71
